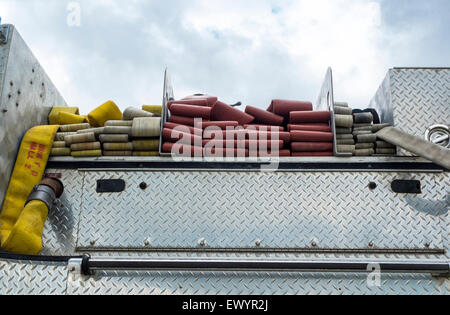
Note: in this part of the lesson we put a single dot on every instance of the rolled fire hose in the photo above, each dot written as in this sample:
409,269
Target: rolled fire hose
363,118
54,116
180,120
211,100
146,145
86,146
314,154
223,112
217,124
96,131
416,145
256,144
360,146
346,142
364,152
285,107
228,134
87,153
74,128
346,148
342,110
118,130
362,132
59,144
367,128
146,127
263,127
21,227
79,138
264,117
343,131
154,109
171,135
311,147
341,104
358,126
195,102
384,145
311,136
310,117
345,137
191,111
131,113
183,128
310,127
118,123
118,146
61,152
344,121
263,135
371,138
103,113
268,153
60,136
71,119
114,138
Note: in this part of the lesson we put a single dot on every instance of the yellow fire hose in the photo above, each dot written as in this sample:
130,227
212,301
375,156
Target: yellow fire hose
21,224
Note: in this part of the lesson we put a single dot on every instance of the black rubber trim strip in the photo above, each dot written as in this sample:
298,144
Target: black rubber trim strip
403,166
34,258
85,265
104,264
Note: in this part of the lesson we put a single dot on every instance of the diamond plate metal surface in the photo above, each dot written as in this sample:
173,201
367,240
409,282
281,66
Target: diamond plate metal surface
415,99
216,210
25,278
237,283
26,98
61,227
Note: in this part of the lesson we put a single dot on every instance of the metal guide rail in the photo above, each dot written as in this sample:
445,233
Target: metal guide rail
385,164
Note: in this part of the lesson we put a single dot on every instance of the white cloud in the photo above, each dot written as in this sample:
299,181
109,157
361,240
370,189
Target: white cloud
252,50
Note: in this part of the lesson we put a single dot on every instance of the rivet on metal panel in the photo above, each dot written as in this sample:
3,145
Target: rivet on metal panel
372,185
92,243
371,244
258,243
74,265
147,241
202,242
314,242
143,186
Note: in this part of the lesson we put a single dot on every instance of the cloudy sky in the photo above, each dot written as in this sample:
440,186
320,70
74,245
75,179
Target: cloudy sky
240,50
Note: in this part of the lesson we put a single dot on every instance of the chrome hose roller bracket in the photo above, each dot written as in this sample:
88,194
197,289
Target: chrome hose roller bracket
439,134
